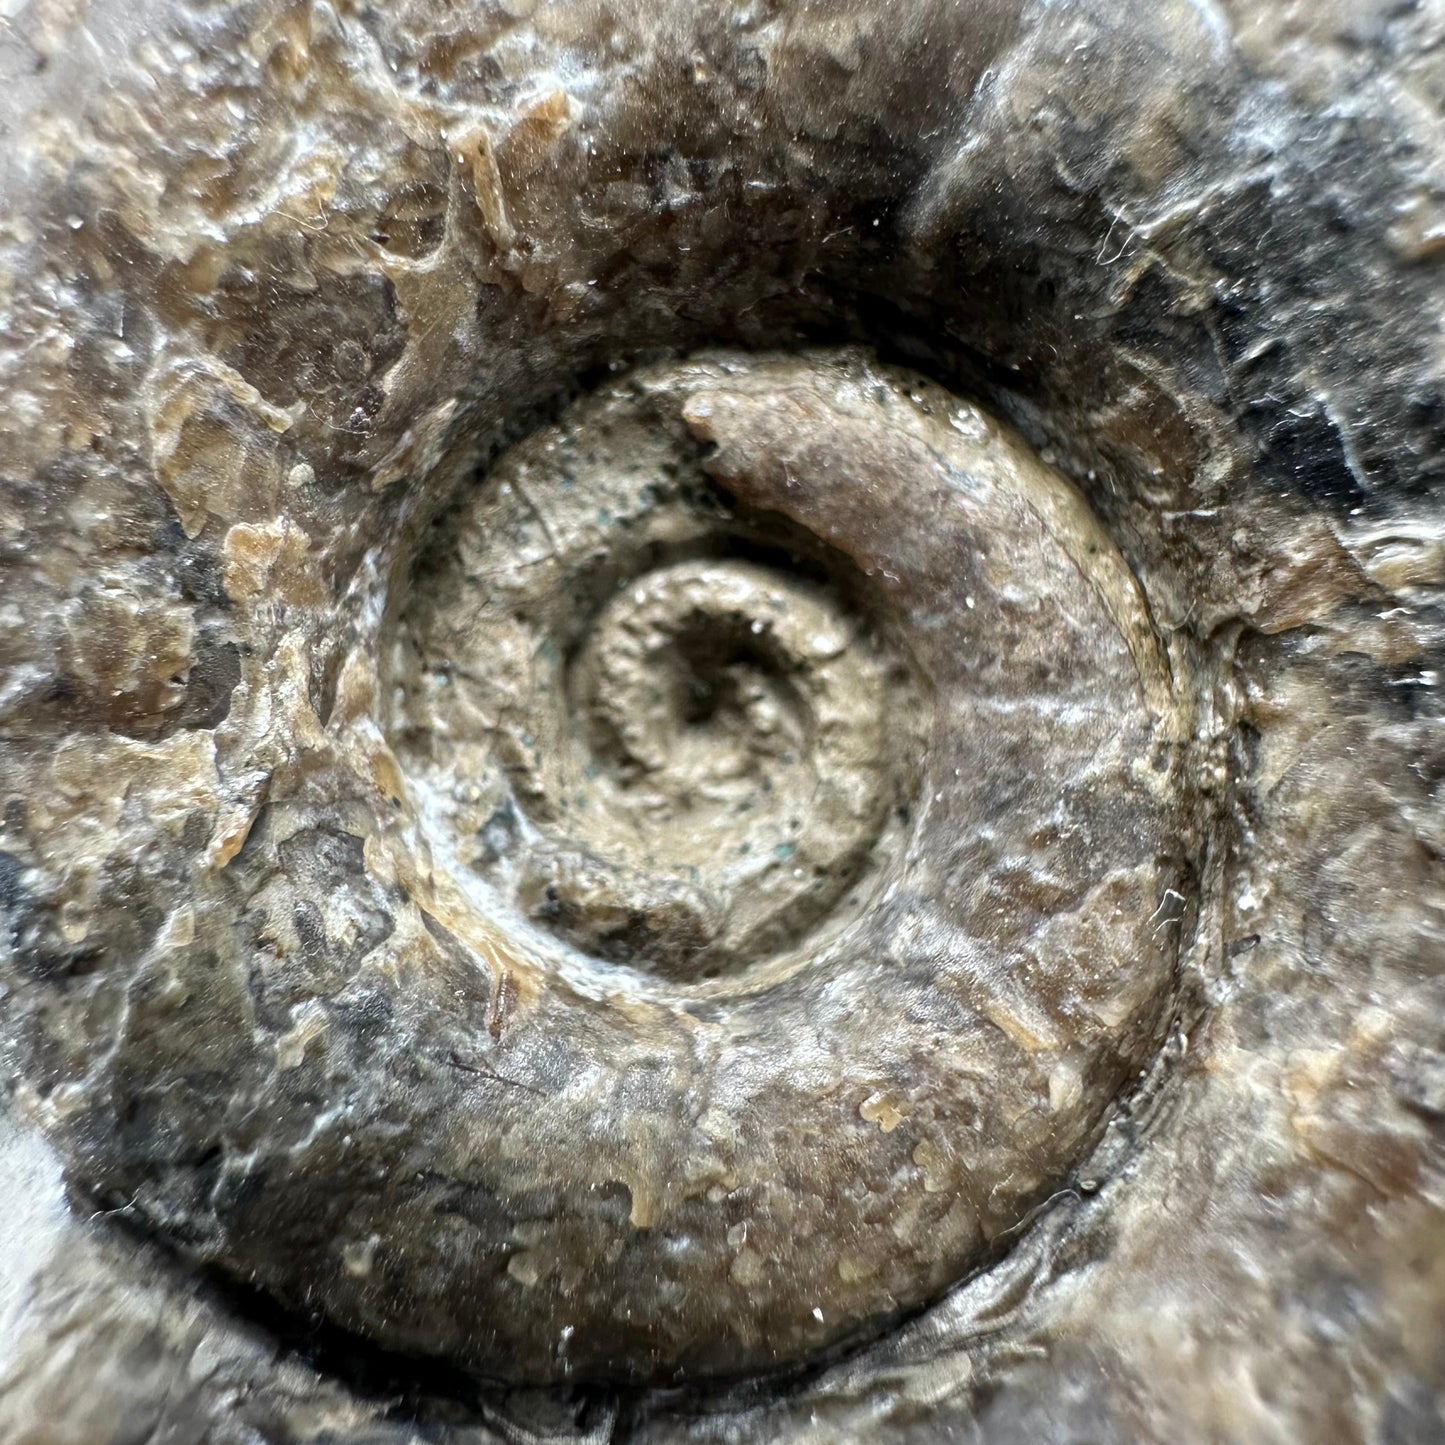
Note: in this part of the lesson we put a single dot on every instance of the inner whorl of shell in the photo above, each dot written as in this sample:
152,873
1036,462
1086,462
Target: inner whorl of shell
788,753
672,731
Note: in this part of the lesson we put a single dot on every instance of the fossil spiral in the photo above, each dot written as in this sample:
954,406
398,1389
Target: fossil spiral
726,714
897,835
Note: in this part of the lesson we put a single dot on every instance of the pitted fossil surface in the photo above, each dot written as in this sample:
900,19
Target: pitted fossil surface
721,722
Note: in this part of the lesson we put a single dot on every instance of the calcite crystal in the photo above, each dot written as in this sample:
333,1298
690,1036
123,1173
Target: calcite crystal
722,721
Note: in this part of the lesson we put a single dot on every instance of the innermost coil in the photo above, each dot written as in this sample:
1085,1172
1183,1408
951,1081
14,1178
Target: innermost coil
666,732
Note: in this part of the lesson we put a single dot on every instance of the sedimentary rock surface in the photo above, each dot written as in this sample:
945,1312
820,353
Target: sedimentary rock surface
722,722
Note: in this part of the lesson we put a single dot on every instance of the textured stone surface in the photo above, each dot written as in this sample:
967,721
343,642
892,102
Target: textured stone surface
395,1043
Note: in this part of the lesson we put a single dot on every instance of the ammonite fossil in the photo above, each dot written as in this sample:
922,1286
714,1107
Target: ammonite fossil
721,721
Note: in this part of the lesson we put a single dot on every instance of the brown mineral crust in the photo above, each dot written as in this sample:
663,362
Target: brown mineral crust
275,289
